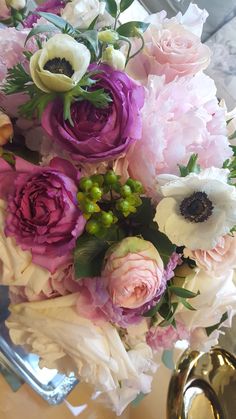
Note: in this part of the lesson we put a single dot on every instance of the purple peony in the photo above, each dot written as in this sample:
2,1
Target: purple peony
42,211
99,134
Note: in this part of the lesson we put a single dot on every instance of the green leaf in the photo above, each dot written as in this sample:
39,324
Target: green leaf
16,80
234,149
90,38
186,304
111,7
144,213
57,21
132,29
40,29
124,4
231,137
154,310
192,166
93,23
211,329
36,105
182,292
167,359
138,399
159,240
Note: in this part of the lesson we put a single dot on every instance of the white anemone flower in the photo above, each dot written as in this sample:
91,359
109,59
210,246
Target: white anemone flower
198,209
60,64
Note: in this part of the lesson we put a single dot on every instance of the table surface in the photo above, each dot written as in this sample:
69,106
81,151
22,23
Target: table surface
26,404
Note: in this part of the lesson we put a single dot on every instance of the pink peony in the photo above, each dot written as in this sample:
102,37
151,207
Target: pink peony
165,337
169,50
218,260
134,272
179,119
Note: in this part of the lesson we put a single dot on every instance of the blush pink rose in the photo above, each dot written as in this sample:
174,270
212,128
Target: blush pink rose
170,50
134,272
179,118
218,260
159,338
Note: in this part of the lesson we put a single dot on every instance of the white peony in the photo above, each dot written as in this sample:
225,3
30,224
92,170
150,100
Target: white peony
60,64
198,209
16,267
65,341
81,13
217,296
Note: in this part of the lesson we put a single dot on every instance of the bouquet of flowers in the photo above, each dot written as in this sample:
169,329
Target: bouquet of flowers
117,190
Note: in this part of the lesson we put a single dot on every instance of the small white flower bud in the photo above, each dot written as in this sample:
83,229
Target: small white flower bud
114,57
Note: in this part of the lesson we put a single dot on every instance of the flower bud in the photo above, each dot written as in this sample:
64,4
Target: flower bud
6,128
16,4
114,58
108,36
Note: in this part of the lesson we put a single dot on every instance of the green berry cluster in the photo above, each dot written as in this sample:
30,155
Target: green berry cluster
103,199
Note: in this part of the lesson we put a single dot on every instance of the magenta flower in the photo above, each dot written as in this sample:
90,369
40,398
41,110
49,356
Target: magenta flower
50,6
42,211
99,134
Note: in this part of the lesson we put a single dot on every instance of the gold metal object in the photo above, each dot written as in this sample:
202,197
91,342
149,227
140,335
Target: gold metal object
203,386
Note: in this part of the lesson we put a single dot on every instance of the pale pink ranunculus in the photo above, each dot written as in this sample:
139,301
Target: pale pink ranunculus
170,50
134,272
218,260
179,118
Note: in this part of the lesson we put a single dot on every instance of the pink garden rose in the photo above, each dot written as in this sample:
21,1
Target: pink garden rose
170,50
134,272
42,211
179,118
218,260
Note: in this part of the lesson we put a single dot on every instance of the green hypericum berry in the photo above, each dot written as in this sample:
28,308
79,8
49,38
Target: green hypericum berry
95,193
123,205
97,179
138,187
125,191
91,207
107,218
92,227
85,184
80,197
110,178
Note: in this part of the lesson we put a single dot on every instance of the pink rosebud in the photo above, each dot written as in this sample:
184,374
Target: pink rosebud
134,272
6,128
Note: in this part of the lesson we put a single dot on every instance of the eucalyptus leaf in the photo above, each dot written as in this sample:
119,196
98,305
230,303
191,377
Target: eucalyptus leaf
167,359
111,7
40,29
125,4
182,292
132,29
57,21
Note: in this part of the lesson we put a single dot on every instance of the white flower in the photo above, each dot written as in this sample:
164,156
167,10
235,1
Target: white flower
114,58
16,4
81,13
16,267
217,296
197,209
60,64
65,341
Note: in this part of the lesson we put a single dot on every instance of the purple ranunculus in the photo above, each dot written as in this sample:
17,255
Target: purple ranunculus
99,134
42,212
50,6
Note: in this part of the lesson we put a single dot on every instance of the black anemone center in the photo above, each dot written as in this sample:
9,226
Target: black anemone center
196,207
59,66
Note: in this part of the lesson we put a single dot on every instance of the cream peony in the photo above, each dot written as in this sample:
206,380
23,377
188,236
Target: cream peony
60,64
218,260
68,342
81,13
217,296
16,267
198,209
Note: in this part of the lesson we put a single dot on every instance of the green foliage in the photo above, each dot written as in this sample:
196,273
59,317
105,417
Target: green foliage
90,251
132,29
125,4
230,164
90,39
182,292
17,80
58,21
192,166
211,329
39,30
111,7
